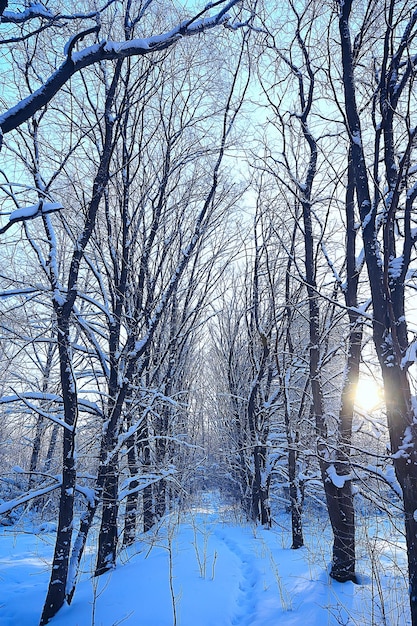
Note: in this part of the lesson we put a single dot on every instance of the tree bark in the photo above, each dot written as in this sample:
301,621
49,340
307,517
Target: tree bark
57,586
132,499
343,561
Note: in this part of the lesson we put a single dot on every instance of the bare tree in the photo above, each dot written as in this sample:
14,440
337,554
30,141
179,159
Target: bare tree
302,163
388,260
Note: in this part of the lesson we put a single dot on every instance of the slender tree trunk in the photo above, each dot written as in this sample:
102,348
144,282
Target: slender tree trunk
147,494
293,479
86,521
339,499
343,562
257,422
342,515
36,449
109,479
160,488
131,512
132,499
51,448
261,487
403,435
57,586
296,519
108,535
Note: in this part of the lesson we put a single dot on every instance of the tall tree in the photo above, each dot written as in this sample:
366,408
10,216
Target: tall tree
389,211
300,172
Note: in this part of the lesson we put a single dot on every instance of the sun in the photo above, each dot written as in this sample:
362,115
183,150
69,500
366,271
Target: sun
368,394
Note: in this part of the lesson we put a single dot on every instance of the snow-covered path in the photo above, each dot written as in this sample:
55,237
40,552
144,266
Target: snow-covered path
209,571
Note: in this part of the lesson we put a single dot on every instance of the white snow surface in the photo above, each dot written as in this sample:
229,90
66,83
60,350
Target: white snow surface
28,212
224,573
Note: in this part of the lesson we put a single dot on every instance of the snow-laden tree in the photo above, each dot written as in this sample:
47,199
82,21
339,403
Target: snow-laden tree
123,150
83,36
386,190
249,391
305,171
352,100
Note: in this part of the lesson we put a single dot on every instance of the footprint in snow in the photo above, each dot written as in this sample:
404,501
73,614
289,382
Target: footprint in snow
246,602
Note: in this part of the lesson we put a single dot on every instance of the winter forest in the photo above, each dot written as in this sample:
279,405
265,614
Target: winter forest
208,313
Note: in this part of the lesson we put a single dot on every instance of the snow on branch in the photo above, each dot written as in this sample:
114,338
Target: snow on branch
12,293
57,419
410,356
144,480
108,50
388,476
337,479
34,10
85,405
30,212
5,507
31,395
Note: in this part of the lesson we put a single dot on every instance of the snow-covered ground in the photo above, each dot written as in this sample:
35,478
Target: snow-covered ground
211,569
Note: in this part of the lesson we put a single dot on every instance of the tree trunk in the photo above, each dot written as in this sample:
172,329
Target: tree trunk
147,495
148,513
343,517
162,426
260,492
108,535
296,519
292,439
131,512
109,479
132,499
147,492
403,435
57,586
36,449
51,448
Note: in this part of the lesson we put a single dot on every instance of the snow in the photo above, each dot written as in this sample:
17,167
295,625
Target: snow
356,138
35,9
337,479
31,211
410,355
223,572
5,507
140,44
395,267
368,216
407,443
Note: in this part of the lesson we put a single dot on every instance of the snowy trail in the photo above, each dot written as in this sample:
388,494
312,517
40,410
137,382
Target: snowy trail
249,578
223,573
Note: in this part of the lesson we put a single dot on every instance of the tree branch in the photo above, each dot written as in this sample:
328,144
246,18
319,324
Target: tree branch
105,51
